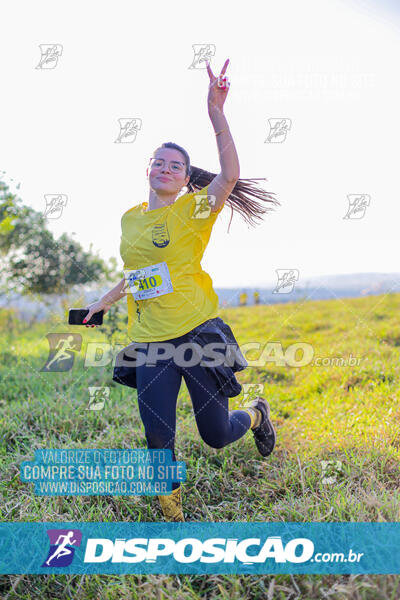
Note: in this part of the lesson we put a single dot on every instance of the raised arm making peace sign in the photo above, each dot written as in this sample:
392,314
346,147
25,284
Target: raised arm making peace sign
217,93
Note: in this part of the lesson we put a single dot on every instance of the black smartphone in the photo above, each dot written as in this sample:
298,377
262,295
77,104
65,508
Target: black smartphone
76,316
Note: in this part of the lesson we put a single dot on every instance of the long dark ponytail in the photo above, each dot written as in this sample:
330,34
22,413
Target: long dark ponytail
244,198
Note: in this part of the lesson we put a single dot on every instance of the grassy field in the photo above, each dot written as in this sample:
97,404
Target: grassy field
346,415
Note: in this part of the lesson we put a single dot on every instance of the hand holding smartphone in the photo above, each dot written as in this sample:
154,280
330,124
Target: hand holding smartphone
76,316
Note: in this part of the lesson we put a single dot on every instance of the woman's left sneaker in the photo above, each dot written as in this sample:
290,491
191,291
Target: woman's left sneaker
264,434
171,505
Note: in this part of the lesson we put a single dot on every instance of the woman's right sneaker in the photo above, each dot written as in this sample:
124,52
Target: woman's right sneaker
264,434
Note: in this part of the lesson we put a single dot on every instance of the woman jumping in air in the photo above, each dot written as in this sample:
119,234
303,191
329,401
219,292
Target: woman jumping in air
170,298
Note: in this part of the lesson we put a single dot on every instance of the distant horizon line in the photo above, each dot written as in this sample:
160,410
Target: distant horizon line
306,279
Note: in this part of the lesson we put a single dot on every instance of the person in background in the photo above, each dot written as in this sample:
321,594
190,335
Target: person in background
243,299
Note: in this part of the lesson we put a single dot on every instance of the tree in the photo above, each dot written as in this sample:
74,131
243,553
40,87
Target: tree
34,262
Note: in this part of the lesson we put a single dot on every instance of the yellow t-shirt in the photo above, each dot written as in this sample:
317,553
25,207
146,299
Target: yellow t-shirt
178,235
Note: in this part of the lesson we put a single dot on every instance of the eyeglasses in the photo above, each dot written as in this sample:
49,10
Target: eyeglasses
175,166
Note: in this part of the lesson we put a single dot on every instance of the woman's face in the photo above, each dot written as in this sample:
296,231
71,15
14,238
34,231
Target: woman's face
167,173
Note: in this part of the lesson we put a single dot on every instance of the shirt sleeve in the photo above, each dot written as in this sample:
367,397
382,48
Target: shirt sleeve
196,209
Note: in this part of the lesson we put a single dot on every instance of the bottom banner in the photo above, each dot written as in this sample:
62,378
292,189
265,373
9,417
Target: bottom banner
199,548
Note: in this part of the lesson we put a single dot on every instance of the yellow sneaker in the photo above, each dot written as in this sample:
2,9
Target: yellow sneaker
171,505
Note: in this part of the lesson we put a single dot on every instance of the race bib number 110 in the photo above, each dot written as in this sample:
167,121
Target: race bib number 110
148,282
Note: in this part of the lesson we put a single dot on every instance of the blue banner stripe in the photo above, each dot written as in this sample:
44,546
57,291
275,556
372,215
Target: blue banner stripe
200,548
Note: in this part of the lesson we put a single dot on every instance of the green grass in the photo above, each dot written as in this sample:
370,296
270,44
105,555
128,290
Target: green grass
332,413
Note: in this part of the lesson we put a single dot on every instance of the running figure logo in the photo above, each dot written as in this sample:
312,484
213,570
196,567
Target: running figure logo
278,129
62,546
50,53
62,348
54,205
128,129
286,280
357,205
203,206
202,55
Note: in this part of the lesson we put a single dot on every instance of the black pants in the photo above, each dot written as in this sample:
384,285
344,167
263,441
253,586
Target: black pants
158,387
